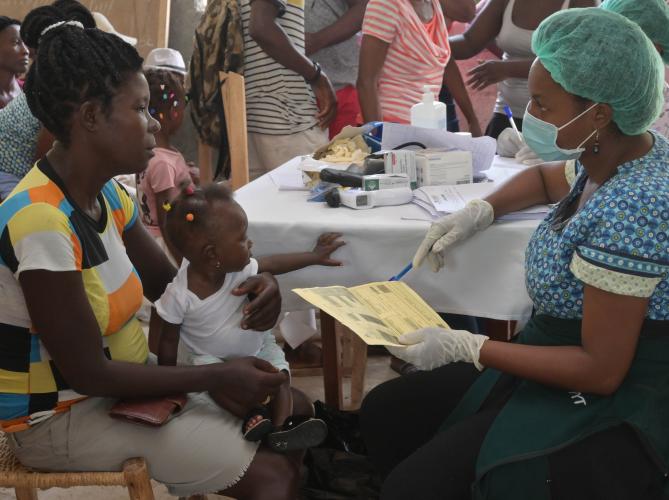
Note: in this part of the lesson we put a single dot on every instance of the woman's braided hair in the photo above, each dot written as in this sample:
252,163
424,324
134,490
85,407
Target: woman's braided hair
72,65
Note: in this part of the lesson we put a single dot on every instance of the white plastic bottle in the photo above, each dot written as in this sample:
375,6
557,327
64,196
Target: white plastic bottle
429,113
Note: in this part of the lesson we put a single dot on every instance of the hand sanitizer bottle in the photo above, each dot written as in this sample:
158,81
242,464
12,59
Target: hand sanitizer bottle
429,113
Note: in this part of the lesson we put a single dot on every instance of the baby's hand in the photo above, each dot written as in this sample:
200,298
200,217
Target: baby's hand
327,243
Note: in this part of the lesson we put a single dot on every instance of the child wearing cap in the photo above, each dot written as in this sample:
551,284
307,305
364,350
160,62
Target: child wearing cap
167,60
168,171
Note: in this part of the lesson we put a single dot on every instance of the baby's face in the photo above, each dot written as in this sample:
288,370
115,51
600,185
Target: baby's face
233,247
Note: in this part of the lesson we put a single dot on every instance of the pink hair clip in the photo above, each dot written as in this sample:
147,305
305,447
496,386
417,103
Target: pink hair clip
189,191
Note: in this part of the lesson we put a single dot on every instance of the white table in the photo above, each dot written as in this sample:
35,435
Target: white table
484,276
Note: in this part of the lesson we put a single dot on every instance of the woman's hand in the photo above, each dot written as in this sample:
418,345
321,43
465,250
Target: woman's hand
327,243
246,383
476,216
262,312
431,348
485,74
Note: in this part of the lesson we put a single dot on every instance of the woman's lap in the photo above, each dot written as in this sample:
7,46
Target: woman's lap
401,418
199,450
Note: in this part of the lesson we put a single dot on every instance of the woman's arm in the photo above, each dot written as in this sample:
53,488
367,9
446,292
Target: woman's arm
342,29
154,268
168,346
492,72
455,85
373,53
610,332
482,31
539,185
161,199
462,11
60,311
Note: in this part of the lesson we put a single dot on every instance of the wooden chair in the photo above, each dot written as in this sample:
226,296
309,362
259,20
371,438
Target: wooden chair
234,106
134,476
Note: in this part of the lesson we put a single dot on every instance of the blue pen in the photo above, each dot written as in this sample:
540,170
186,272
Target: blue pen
509,114
402,273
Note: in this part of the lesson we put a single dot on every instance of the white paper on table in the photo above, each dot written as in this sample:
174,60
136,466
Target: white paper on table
298,326
483,148
288,179
438,201
449,199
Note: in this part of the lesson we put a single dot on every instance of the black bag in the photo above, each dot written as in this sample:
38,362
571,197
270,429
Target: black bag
339,469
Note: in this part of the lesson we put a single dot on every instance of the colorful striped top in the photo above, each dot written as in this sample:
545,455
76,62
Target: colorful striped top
417,55
42,228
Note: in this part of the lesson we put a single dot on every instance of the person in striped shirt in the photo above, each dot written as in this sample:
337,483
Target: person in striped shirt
405,47
289,99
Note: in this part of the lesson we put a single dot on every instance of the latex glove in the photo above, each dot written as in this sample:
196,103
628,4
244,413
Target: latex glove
528,157
431,348
508,143
458,226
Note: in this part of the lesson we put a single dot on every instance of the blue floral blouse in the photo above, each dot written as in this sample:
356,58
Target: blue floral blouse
19,131
618,241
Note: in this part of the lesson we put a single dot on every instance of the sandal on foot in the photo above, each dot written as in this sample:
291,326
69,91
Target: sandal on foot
298,433
259,430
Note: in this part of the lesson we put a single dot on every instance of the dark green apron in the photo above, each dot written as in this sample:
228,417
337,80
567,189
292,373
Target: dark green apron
538,420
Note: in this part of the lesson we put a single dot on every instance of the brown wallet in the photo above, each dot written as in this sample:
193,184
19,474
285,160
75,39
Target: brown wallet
148,411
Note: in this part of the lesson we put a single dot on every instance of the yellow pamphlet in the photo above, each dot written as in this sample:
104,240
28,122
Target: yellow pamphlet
377,312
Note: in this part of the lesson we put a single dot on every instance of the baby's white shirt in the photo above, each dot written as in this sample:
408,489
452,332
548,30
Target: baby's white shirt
213,325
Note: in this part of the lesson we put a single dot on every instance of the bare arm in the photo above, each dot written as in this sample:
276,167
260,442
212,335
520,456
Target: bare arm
462,11
168,347
161,199
320,255
483,30
372,57
153,266
610,332
272,39
453,80
541,184
342,29
492,72
74,342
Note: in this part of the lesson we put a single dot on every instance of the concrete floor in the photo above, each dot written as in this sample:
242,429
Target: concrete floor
378,370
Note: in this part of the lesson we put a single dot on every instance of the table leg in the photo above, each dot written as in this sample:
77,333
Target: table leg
332,369
359,362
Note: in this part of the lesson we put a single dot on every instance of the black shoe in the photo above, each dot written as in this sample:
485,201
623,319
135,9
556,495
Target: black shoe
298,433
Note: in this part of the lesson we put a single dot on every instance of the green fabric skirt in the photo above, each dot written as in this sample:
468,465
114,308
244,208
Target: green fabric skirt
539,420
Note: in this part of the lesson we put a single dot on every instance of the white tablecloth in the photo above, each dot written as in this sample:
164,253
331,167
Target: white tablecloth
484,276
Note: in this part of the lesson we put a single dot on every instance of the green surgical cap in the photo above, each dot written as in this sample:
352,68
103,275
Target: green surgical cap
651,15
603,57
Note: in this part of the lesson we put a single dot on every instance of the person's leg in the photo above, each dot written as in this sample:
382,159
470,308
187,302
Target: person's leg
609,465
200,450
444,467
271,476
401,415
275,150
257,166
452,123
